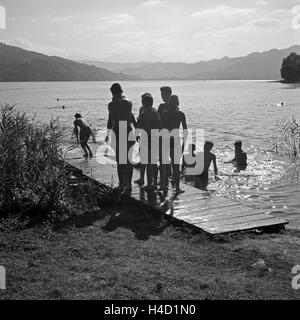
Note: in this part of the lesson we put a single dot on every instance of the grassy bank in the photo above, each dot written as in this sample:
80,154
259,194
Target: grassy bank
132,254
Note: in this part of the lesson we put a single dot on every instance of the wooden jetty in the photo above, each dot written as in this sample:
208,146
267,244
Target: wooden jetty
202,209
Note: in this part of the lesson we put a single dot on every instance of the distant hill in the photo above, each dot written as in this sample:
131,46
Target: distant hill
255,66
114,66
17,64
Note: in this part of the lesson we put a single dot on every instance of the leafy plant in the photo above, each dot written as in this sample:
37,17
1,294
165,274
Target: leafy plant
288,140
33,179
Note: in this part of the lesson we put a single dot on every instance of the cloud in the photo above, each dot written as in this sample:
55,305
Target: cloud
2,17
225,11
61,19
125,34
121,18
152,3
261,3
265,23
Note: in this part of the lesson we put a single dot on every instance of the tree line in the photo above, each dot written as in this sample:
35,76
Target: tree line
290,69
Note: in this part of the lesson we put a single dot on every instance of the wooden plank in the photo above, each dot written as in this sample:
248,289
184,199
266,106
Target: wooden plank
202,205
233,209
234,220
197,220
244,226
221,217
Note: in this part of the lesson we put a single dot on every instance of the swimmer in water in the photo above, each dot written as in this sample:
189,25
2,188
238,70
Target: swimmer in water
185,164
83,134
201,181
240,159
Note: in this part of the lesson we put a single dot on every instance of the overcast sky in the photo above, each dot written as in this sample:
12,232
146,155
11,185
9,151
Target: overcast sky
155,30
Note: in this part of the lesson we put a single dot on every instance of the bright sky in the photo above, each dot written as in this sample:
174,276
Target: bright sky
154,30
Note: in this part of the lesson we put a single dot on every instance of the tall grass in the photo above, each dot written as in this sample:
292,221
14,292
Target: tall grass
288,140
33,179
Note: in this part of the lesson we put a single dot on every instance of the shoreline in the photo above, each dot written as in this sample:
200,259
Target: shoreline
146,80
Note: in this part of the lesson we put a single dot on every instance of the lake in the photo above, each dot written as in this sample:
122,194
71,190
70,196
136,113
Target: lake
226,110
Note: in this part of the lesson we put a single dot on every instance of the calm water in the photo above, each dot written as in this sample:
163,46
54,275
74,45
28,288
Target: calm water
226,110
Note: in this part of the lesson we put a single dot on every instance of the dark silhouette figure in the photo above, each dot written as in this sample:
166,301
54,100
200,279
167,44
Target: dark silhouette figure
201,181
185,164
149,119
141,180
166,93
83,134
172,120
240,159
120,109
192,153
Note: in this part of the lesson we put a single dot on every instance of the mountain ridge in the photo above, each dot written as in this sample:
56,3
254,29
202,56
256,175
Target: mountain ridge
254,66
17,64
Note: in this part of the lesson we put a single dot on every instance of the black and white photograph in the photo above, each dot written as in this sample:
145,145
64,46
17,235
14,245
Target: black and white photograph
149,152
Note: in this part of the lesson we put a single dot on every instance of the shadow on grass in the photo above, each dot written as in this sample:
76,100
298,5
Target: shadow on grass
84,220
134,217
139,220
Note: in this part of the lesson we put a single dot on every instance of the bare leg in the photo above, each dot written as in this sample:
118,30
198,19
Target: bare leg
142,172
141,180
84,147
90,152
128,168
121,174
164,183
155,174
128,175
176,172
149,175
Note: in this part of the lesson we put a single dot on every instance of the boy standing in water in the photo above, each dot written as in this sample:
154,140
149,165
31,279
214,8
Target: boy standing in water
201,181
186,164
83,134
240,159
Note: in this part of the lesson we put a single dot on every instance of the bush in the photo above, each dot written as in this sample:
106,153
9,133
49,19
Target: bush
33,179
289,137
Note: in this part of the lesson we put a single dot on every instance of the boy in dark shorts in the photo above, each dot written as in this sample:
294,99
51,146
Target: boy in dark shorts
201,181
143,109
120,109
83,134
173,119
148,120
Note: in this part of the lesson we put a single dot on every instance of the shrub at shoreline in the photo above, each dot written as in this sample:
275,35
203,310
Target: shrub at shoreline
33,178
